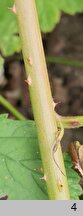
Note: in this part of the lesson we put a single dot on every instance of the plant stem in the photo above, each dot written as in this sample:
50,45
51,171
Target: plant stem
73,63
41,98
72,121
11,109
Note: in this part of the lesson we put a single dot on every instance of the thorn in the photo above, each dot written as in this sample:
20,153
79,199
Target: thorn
39,169
29,61
13,9
55,104
44,178
28,81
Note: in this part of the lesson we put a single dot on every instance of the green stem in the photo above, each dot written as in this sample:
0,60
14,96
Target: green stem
73,63
72,121
10,108
41,98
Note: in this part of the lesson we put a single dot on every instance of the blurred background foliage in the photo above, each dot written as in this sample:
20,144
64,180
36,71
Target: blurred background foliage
62,36
49,13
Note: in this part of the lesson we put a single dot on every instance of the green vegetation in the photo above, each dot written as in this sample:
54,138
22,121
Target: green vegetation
26,146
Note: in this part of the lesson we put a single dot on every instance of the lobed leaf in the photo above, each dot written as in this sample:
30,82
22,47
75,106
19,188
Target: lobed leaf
73,179
20,161
49,13
9,41
19,157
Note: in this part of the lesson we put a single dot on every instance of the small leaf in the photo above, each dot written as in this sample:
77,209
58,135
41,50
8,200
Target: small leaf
9,41
3,116
73,179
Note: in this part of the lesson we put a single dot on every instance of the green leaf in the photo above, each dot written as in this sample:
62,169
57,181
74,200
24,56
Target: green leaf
20,159
3,116
73,179
71,7
49,13
9,41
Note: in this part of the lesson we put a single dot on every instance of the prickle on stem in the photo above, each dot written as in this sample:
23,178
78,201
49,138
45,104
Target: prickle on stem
13,9
28,81
55,104
44,178
29,61
39,170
